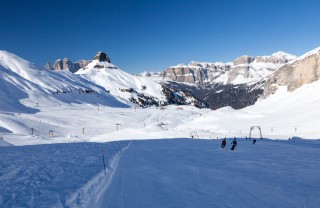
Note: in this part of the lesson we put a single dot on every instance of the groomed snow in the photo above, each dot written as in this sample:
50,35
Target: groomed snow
162,173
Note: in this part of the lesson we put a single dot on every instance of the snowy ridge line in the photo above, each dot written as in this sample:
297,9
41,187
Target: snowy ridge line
89,195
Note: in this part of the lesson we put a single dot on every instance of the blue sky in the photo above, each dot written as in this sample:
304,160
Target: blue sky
151,35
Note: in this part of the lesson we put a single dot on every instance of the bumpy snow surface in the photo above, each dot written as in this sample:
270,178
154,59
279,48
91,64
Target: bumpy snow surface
162,173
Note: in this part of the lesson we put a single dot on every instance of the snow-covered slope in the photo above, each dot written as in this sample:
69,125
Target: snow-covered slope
120,83
281,116
22,81
162,173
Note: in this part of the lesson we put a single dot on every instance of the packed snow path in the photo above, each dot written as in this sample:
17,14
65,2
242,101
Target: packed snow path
162,173
56,175
197,173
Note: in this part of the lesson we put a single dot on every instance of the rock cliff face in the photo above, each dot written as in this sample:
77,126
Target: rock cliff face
101,56
242,70
48,66
243,60
57,65
196,73
66,64
304,70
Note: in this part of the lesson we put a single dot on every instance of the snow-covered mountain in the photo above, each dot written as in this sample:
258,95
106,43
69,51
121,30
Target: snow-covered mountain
141,90
221,84
244,69
24,84
238,84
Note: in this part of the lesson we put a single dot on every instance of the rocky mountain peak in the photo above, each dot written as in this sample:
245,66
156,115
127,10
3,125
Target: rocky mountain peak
102,56
48,66
58,65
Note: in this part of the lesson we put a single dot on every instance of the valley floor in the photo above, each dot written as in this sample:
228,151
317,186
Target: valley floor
162,173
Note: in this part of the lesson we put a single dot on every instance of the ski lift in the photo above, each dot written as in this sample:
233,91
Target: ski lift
252,128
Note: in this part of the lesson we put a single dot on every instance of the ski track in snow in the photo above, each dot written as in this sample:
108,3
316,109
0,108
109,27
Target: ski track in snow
56,175
197,173
90,194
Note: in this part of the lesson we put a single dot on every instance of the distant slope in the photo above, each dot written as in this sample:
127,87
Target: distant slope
281,115
22,81
140,90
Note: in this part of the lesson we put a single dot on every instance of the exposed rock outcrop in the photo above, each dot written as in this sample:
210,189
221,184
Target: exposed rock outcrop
271,59
304,70
58,65
237,71
243,60
82,63
67,64
101,56
48,66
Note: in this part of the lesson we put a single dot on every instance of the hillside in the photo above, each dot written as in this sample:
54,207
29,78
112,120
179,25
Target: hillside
303,70
25,86
121,84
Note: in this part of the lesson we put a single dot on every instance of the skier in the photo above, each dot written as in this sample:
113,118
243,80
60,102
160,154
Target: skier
254,141
234,144
224,142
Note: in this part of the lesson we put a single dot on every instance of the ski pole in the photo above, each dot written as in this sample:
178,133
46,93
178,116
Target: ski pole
104,165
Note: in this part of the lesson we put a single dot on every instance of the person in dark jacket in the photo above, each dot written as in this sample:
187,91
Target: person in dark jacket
224,142
254,141
234,144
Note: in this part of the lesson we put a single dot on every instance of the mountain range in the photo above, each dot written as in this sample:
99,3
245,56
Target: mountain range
238,84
